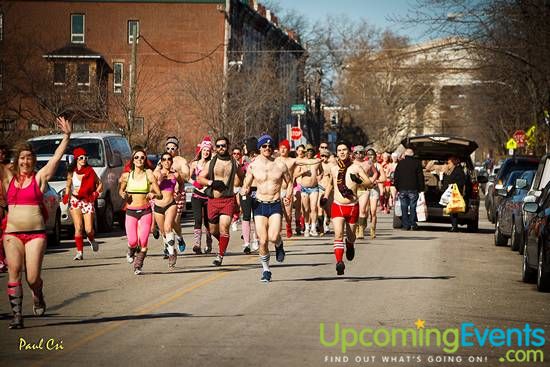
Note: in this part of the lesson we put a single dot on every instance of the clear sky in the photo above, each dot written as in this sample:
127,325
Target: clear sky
375,12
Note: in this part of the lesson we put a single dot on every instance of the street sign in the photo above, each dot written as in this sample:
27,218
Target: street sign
296,133
511,144
298,109
519,137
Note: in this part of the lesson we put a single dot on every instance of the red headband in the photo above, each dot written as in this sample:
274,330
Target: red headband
285,143
77,152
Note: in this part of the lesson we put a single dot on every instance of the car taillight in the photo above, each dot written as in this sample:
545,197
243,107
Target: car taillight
475,191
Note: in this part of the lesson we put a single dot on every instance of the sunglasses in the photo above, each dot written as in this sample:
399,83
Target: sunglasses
139,157
324,156
221,145
236,153
171,149
82,157
166,159
323,146
360,153
267,146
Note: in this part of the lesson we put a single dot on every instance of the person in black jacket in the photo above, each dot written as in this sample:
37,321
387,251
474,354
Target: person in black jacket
454,175
409,181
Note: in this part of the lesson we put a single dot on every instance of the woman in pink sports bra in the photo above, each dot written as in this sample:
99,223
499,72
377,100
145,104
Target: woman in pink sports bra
199,199
25,234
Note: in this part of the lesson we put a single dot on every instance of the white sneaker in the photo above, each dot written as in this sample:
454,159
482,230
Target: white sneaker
313,232
234,227
255,245
93,244
307,232
78,256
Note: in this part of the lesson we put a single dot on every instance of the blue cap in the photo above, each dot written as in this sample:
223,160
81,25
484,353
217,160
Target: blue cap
264,139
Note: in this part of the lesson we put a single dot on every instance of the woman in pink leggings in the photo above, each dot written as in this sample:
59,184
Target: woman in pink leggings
25,234
136,187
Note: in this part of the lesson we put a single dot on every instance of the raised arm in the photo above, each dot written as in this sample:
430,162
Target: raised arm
48,170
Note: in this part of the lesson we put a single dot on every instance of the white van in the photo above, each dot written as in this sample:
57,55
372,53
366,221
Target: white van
107,153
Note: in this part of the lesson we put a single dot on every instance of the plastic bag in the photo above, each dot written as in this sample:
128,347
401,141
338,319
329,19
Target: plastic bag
421,208
446,197
457,203
397,207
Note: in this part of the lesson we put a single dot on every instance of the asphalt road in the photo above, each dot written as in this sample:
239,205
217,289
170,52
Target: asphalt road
197,315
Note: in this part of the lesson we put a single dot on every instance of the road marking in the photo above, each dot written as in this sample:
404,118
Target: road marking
102,331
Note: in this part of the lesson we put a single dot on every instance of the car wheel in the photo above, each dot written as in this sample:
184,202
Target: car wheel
514,240
473,226
527,274
396,221
54,239
543,273
107,217
500,239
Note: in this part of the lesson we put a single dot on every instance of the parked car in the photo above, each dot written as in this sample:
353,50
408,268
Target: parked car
439,147
492,200
536,254
509,224
106,154
490,181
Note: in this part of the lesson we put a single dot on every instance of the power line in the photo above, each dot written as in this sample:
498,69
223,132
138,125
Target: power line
180,61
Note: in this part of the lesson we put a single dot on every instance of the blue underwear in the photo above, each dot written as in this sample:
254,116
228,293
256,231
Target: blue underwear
310,190
267,209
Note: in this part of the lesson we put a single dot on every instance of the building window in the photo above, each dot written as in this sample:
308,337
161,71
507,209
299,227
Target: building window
59,73
77,28
133,31
139,125
83,75
7,125
118,76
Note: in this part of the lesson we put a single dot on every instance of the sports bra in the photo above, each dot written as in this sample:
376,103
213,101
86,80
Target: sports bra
76,182
30,195
167,184
137,187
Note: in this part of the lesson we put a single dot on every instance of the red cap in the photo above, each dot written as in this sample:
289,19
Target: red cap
77,152
284,143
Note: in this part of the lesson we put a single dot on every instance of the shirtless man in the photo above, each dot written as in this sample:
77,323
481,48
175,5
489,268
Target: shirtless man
297,201
323,211
269,174
221,175
290,163
309,171
323,149
345,210
179,165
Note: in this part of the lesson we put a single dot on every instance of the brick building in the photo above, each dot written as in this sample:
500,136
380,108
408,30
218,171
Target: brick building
75,57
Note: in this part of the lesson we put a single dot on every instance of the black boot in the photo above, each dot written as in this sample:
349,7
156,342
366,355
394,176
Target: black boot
138,262
15,295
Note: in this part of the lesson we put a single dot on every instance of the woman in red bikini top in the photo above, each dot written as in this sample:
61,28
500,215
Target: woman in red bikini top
25,235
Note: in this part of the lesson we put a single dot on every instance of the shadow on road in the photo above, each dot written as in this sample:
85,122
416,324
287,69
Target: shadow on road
411,238
75,298
80,266
371,278
101,320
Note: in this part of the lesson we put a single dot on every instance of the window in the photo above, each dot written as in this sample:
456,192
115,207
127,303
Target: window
59,73
83,75
133,31
138,125
118,76
7,125
77,28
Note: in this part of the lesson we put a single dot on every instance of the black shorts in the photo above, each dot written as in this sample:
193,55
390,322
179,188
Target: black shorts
163,209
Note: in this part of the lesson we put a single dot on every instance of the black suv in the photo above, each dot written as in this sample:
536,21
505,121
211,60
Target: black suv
440,148
517,163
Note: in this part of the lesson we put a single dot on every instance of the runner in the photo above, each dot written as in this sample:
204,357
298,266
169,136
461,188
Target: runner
308,171
221,175
345,209
393,165
290,163
199,199
385,200
379,176
165,207
268,173
181,166
363,193
323,149
25,231
135,188
237,156
297,201
324,210
82,190
247,201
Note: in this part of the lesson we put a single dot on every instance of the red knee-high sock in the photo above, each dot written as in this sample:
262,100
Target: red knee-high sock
79,241
224,242
338,250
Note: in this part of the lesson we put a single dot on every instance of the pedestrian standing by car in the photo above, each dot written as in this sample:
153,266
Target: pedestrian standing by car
454,174
409,181
25,232
135,188
82,190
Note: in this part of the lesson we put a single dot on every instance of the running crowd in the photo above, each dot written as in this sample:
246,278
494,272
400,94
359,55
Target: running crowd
255,185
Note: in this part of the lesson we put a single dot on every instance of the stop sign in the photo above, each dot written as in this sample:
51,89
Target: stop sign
519,137
296,133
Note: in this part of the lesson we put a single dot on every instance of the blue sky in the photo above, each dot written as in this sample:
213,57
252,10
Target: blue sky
375,11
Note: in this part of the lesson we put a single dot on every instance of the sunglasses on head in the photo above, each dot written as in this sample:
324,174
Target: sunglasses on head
139,157
221,145
267,146
82,157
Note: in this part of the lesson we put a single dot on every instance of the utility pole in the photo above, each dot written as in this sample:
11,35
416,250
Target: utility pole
132,86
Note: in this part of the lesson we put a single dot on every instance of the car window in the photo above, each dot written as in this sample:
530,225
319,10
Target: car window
60,173
121,145
94,149
514,175
545,177
528,176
